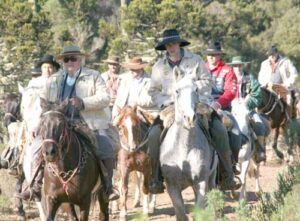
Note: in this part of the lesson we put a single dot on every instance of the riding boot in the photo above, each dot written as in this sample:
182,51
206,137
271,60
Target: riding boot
220,138
33,192
260,152
112,193
14,168
156,184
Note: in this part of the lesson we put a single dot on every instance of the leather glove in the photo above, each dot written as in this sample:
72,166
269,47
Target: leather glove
216,106
77,103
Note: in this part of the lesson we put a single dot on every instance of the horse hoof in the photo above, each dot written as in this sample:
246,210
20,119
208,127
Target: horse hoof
136,204
151,210
233,195
21,213
258,194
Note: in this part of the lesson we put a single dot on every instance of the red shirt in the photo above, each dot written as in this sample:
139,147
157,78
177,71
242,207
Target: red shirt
224,74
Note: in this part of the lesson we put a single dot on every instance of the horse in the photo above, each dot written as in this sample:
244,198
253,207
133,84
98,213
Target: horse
186,156
12,118
275,109
246,154
71,171
133,157
11,108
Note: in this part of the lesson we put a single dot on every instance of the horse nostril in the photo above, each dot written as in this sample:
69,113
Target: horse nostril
52,152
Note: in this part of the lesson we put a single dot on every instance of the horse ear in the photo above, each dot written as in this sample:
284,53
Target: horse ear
20,88
193,75
43,104
177,73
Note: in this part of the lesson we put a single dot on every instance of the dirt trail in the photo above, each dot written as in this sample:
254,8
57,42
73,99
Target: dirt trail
164,209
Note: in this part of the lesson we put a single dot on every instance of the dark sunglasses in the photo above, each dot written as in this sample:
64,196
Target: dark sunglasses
67,59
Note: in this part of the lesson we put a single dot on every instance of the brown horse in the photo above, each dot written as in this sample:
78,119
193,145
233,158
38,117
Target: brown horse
71,172
133,156
281,119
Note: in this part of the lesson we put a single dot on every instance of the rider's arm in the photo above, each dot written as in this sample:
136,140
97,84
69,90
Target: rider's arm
99,98
291,73
156,88
230,87
204,82
254,98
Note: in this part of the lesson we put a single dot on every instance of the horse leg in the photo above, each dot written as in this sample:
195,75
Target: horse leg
104,211
243,177
19,202
124,193
84,210
275,134
70,210
200,190
258,189
52,207
137,195
177,201
152,202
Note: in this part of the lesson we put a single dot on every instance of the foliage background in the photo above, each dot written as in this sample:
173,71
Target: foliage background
31,28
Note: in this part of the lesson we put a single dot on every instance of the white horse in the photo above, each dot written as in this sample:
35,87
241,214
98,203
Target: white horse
241,114
31,112
186,156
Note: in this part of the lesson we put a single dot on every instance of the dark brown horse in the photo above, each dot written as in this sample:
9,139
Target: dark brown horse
281,119
71,172
133,156
11,108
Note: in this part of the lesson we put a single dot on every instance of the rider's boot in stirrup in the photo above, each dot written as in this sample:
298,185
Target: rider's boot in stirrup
34,192
260,154
229,181
112,192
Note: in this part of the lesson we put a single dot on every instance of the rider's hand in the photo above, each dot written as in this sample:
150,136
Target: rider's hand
77,103
216,106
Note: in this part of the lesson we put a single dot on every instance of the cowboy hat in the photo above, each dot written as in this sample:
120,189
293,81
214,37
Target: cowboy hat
237,60
70,50
214,48
112,60
135,63
272,50
36,70
49,59
170,35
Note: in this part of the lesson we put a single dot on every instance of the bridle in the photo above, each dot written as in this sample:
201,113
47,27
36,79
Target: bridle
269,105
64,177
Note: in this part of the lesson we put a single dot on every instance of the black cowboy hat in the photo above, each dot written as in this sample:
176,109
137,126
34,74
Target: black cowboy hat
214,48
272,50
36,70
49,59
170,35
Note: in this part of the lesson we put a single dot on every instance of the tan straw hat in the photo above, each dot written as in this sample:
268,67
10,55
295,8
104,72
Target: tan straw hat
135,63
112,60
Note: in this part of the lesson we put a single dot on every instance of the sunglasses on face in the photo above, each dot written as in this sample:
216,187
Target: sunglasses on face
72,59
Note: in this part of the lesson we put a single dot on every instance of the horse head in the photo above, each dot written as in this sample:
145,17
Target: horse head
31,110
53,129
129,126
185,96
11,108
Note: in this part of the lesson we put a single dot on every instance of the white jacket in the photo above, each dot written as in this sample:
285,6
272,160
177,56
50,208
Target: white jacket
286,68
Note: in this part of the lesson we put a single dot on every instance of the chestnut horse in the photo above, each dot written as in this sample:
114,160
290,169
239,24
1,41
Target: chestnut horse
133,156
281,122
71,172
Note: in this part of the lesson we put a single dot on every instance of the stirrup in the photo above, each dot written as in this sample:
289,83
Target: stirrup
24,195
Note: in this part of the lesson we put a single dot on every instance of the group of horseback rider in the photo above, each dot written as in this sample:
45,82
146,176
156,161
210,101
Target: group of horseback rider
97,99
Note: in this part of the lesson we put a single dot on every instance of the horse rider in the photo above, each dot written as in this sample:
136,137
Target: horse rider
112,77
42,69
87,93
223,92
133,87
161,93
47,66
249,92
279,70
